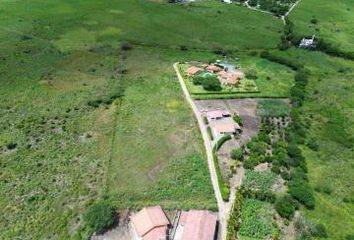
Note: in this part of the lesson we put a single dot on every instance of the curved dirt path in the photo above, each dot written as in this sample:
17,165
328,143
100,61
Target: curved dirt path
221,205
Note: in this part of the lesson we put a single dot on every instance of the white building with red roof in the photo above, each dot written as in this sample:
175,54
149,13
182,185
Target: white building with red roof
196,225
226,128
217,114
193,70
150,223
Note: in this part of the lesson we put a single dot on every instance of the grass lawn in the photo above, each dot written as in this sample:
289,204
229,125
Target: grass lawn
335,21
329,114
158,156
273,80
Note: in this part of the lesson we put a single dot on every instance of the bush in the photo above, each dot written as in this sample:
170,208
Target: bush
349,237
301,191
198,80
251,74
238,119
285,206
11,146
99,216
125,46
237,154
320,231
211,83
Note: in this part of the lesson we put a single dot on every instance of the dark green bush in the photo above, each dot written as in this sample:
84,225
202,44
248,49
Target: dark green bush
198,80
301,191
237,154
320,231
285,206
99,216
211,83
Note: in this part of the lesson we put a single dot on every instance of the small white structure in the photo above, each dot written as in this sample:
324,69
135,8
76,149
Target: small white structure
308,42
227,1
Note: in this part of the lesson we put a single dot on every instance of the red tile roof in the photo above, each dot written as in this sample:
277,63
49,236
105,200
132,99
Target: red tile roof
198,225
213,68
191,71
150,222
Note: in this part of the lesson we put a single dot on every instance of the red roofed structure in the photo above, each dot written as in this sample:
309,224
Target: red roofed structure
213,68
197,225
226,128
150,223
191,71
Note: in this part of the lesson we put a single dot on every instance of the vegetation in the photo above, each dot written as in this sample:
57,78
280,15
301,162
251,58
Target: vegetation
272,108
285,206
279,8
257,220
234,222
99,216
224,186
259,181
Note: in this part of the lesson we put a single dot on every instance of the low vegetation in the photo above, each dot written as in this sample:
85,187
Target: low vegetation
99,216
272,108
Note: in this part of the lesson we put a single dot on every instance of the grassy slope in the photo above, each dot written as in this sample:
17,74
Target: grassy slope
329,112
158,155
56,56
335,21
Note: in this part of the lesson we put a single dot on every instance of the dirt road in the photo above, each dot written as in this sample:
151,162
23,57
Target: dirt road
208,148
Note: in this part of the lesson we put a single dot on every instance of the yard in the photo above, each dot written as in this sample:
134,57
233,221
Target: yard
268,80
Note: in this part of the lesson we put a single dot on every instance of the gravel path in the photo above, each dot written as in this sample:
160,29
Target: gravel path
221,205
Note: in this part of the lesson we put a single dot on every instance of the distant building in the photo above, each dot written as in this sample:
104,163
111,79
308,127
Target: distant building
150,223
192,71
196,225
308,42
213,68
226,129
217,114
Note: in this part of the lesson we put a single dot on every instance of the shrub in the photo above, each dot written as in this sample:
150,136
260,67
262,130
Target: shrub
314,21
99,216
285,206
237,154
125,46
211,83
349,237
11,146
198,80
301,191
251,74
238,119
320,231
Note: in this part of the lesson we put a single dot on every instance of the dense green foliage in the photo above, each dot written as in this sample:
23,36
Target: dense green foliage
233,223
285,206
224,186
99,216
272,108
257,219
259,181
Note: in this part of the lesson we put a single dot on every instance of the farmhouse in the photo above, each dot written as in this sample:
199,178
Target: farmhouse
150,224
214,69
196,225
226,128
191,71
217,114
308,42
230,78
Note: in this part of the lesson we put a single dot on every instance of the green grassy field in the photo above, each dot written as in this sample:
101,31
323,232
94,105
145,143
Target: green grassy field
329,116
67,138
334,21
158,156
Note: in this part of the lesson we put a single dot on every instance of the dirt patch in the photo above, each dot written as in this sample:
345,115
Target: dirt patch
247,110
262,167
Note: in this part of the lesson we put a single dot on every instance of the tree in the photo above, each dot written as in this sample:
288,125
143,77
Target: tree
99,216
211,83
237,154
285,206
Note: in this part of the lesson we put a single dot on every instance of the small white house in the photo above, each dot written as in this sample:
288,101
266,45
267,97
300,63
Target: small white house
308,42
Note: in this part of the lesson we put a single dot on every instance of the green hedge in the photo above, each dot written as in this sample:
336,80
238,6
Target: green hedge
233,223
224,187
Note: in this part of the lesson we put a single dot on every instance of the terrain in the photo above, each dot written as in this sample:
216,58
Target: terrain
90,107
